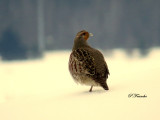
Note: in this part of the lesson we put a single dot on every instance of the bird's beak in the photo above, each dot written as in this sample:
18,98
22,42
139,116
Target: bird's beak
90,34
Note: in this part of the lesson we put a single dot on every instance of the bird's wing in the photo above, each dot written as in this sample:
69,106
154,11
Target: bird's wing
107,69
85,61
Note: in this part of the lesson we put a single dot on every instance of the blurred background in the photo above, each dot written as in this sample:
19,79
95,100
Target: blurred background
28,28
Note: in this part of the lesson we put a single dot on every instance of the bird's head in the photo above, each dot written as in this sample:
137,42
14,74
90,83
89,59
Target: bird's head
84,34
81,39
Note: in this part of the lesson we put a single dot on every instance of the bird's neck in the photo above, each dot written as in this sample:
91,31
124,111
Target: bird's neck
79,43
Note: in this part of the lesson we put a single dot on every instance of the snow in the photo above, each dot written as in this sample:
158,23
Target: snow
44,90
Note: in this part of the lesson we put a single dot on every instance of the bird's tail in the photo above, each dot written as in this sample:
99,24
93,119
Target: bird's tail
105,86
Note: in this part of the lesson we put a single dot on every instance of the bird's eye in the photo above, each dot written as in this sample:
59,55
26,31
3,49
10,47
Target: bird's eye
84,34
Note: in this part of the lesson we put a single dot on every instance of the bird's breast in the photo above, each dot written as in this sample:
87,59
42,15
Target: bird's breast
75,67
78,72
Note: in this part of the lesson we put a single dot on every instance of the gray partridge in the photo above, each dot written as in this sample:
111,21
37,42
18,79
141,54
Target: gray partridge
86,64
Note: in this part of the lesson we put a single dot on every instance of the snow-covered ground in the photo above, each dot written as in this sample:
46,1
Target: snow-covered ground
44,90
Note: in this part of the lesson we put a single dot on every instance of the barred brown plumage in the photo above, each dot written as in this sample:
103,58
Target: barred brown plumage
86,64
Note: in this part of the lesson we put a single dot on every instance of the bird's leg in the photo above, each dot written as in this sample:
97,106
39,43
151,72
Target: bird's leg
91,89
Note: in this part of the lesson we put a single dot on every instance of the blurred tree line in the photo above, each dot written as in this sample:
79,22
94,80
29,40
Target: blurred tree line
124,24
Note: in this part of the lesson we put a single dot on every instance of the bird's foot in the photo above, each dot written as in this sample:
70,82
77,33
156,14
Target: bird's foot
91,89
